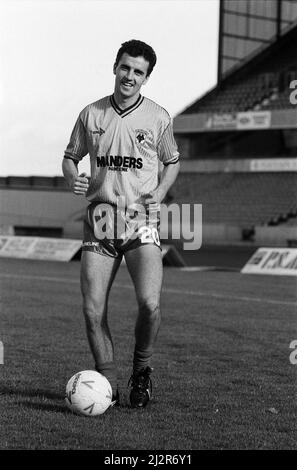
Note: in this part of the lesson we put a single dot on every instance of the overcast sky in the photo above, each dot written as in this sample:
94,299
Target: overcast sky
56,56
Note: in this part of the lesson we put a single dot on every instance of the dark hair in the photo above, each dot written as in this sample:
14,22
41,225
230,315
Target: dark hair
137,48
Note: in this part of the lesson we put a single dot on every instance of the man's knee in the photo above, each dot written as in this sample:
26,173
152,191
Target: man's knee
149,308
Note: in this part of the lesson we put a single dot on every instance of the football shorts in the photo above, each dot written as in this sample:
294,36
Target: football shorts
111,231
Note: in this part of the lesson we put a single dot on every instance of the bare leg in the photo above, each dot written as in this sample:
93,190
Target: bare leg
145,267
97,275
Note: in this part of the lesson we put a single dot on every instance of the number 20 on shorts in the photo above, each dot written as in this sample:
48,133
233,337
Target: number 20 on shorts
149,235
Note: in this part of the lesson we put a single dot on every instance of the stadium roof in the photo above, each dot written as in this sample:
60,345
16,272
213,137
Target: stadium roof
246,26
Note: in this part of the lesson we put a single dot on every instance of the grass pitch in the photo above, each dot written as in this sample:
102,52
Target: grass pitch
222,378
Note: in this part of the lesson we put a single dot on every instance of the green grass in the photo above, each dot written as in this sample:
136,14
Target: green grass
222,376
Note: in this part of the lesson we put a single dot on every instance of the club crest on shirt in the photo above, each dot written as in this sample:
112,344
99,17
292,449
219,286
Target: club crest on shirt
141,136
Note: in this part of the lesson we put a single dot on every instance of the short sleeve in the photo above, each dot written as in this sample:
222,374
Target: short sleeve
77,147
167,148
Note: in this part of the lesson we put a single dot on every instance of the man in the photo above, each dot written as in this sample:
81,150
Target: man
126,136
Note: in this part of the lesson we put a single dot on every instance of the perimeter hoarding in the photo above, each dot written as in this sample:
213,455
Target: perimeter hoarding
51,249
278,261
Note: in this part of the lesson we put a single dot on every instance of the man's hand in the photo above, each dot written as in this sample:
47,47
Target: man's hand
168,177
80,184
155,197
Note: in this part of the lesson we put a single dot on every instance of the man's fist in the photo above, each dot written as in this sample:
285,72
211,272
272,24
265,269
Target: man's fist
80,185
154,197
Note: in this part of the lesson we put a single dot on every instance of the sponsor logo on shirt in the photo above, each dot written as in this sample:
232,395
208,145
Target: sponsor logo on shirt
119,162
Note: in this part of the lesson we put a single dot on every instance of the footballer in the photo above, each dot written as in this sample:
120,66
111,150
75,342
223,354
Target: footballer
128,138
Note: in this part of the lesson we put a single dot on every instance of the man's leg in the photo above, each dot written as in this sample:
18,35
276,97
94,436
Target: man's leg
97,275
145,267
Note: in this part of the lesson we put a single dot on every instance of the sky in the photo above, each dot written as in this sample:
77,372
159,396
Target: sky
57,56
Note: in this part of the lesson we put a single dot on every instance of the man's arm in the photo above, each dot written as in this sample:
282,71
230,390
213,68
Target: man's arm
78,184
168,176
74,153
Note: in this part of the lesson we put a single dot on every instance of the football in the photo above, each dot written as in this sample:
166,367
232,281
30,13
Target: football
88,393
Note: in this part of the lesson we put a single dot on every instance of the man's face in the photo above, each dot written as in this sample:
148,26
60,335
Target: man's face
131,74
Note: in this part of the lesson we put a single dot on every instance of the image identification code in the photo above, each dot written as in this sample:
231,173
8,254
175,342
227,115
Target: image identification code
151,459
161,459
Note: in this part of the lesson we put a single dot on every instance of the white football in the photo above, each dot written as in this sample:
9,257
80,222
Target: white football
88,393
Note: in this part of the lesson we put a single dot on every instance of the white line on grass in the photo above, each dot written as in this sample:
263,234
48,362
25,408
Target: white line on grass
165,289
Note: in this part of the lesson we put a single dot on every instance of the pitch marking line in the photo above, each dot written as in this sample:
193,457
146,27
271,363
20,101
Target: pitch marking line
165,289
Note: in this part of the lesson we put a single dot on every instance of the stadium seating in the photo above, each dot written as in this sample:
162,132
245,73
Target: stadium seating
241,199
247,199
262,91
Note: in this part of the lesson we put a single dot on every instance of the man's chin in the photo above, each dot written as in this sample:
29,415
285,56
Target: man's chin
128,93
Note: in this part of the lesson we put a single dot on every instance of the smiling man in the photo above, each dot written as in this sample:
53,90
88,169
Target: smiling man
126,136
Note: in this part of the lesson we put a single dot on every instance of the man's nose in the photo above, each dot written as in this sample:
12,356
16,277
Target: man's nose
129,75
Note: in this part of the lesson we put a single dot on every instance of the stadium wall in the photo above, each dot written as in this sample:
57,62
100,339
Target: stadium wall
27,209
239,165
276,236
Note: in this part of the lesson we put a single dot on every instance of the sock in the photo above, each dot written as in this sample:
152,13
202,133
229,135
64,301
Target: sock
108,369
141,359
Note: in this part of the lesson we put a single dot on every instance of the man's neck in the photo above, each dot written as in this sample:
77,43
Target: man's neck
125,103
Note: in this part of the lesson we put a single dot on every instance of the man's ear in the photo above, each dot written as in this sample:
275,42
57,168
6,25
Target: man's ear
114,68
145,80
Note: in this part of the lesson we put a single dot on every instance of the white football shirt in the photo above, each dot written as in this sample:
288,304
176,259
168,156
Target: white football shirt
125,147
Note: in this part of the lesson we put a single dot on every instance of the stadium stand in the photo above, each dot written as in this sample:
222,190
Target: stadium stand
263,85
223,124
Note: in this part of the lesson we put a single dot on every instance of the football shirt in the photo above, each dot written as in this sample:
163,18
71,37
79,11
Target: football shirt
125,148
